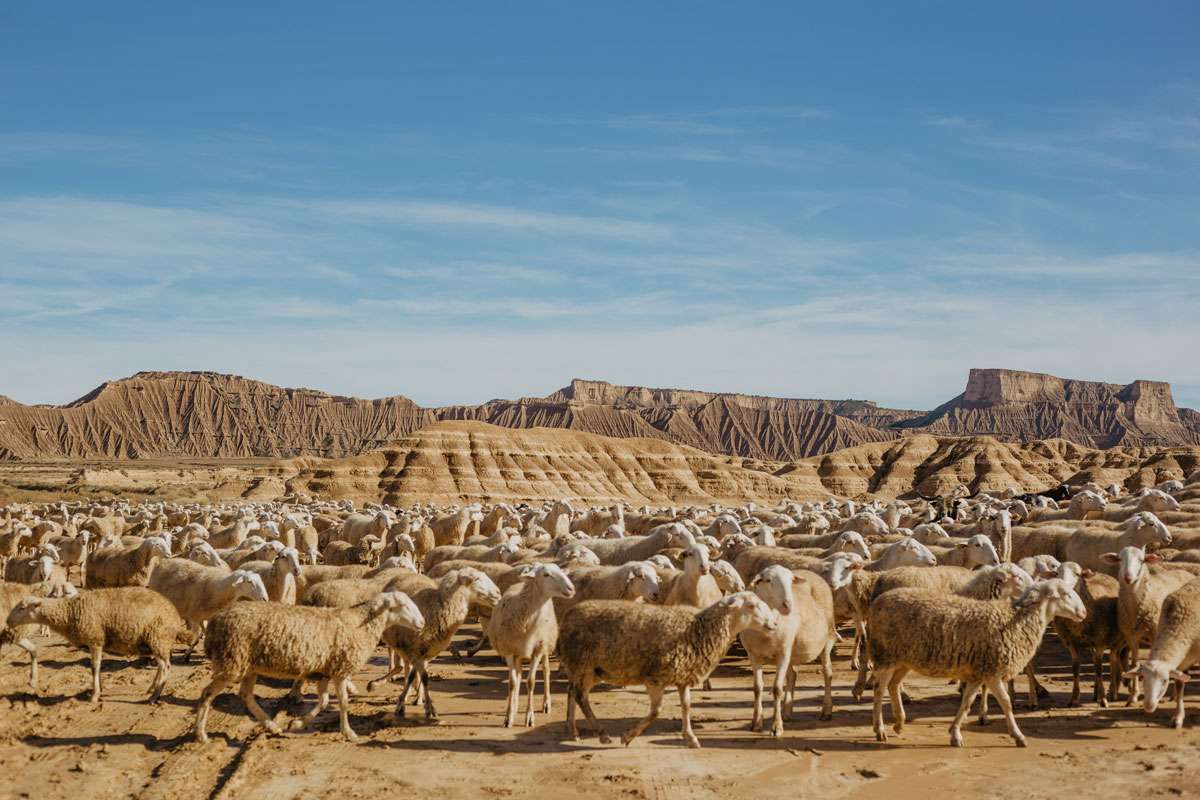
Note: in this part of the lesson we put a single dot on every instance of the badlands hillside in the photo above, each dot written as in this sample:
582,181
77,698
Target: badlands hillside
455,461
209,415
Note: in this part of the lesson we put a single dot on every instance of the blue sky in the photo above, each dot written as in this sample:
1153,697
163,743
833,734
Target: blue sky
464,201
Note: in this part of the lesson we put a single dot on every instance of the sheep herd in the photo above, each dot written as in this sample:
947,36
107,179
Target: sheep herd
306,590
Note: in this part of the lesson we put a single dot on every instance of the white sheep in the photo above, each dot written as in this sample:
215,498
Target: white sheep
523,627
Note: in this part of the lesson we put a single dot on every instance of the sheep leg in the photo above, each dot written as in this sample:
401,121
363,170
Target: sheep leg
860,661
789,696
546,682
964,708
197,632
1133,646
1002,698
656,697
685,703
572,728
322,703
585,703
395,667
1116,665
296,694
1180,713
344,711
1098,683
31,648
897,698
97,659
782,668
533,669
408,680
220,683
882,678
514,690
1035,688
757,717
430,711
827,675
983,704
246,692
1075,665
160,677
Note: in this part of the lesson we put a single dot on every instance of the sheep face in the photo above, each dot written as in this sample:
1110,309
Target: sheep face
749,611
1009,581
1069,573
735,544
911,553
1156,678
249,585
727,578
642,582
26,612
480,585
980,552
1146,524
853,542
400,610
774,586
550,579
695,560
1059,599
1131,561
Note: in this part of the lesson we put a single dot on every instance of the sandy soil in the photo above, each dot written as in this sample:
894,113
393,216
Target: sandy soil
56,745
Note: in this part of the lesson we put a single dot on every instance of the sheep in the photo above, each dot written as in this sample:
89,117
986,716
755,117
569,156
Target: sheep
805,632
980,642
452,529
928,533
500,552
1087,547
11,543
114,567
614,552
232,536
364,551
1140,598
624,643
73,550
445,604
29,570
280,575
1176,647
523,627
986,583
977,551
630,581
199,593
1043,566
1082,506
694,586
121,621
1100,631
356,526
292,642
22,635
727,577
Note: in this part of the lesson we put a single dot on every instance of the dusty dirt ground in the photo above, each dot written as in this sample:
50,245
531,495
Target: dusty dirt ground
54,744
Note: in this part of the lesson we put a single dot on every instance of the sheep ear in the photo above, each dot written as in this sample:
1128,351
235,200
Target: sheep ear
1110,558
528,572
1182,677
961,545
1152,558
1088,573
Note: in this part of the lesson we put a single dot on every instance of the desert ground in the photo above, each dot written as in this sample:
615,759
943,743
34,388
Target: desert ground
54,744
